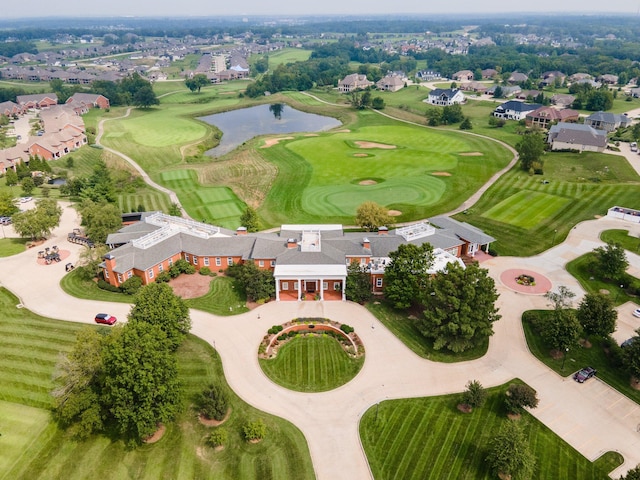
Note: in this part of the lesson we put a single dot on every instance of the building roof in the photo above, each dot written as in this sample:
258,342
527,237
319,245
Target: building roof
462,230
517,106
577,134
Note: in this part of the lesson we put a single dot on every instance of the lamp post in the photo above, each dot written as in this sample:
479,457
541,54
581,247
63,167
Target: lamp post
618,293
564,359
554,237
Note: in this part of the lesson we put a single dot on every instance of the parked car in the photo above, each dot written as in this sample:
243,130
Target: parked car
105,319
636,312
584,374
628,342
5,220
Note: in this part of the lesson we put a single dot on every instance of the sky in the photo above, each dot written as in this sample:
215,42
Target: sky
185,8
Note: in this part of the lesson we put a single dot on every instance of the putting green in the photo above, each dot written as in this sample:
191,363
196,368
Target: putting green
162,128
527,208
343,200
20,427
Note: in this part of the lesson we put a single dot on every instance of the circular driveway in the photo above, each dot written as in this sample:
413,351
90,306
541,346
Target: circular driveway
509,279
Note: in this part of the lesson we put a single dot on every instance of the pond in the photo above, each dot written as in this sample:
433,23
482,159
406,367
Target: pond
238,126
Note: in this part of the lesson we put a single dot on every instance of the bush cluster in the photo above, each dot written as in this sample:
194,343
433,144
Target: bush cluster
346,328
275,329
103,285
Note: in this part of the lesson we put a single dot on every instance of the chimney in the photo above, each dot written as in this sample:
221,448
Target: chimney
292,243
383,231
241,231
366,243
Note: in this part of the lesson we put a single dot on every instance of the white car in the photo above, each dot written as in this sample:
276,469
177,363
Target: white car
636,312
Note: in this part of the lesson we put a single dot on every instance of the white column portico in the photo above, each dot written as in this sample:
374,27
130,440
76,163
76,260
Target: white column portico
303,275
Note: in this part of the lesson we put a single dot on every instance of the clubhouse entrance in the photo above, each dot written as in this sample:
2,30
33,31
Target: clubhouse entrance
297,282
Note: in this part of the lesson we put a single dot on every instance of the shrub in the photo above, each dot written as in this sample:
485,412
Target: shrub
519,396
174,271
205,271
256,430
346,328
475,395
107,286
163,277
275,329
218,437
131,285
213,402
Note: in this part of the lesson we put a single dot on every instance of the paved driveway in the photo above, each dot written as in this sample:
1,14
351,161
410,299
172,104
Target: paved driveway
592,417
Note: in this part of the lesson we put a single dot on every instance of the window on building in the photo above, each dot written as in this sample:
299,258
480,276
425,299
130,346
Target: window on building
363,261
218,262
160,268
285,285
150,272
337,286
206,261
229,261
119,278
325,285
170,262
195,260
186,257
273,263
106,273
378,282
261,263
130,274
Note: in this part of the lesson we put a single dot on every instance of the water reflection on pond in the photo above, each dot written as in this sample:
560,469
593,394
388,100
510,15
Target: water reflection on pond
238,126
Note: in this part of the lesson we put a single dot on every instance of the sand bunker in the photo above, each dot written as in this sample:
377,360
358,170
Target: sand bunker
367,182
360,155
312,135
441,174
374,145
394,213
346,130
472,154
274,141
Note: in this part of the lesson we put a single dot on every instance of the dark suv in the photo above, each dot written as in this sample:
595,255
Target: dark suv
584,374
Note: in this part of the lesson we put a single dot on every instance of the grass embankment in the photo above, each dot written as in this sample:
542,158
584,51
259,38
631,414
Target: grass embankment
224,298
428,438
406,330
12,246
311,364
74,284
580,357
32,446
526,215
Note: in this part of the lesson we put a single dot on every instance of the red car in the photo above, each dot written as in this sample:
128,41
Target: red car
106,319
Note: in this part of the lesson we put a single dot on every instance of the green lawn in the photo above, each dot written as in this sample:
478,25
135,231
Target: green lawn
32,446
622,237
581,269
12,246
428,438
315,363
405,329
578,358
75,285
224,298
580,188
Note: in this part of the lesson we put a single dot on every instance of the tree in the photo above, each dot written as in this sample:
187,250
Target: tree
11,178
633,474
28,185
145,97
599,100
7,204
254,431
434,116
77,379
509,452
459,308
99,219
39,221
498,92
597,315
358,286
466,124
175,210
258,284
141,386
475,395
452,114
378,103
631,358
198,81
405,276
156,304
611,261
249,220
370,216
218,437
530,148
561,330
519,396
213,402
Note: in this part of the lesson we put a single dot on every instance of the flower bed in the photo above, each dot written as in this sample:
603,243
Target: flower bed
526,280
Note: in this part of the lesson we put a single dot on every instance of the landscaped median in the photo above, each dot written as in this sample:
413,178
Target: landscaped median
311,354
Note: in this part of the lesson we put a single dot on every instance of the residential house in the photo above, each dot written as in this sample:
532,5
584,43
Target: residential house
607,121
489,74
524,94
552,77
37,100
507,91
306,260
9,109
574,136
563,100
89,100
390,83
463,76
608,79
474,87
545,117
514,110
518,77
445,97
353,82
428,75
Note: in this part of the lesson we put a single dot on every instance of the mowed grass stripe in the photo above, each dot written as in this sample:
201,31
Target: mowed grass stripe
527,208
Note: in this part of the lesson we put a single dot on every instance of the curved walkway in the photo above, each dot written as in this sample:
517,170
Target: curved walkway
592,417
147,179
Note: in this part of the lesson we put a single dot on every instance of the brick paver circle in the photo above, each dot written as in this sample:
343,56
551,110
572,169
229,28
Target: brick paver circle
542,286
